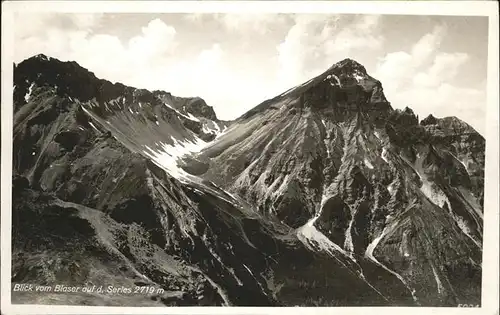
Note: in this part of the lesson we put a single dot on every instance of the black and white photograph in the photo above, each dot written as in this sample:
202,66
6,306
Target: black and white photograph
159,160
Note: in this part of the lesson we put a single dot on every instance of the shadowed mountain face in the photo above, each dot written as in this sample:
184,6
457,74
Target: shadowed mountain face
324,195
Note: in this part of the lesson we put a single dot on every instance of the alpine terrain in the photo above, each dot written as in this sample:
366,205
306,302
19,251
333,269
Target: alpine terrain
322,196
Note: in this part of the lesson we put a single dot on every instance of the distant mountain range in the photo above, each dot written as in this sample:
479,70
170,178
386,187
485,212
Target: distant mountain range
322,196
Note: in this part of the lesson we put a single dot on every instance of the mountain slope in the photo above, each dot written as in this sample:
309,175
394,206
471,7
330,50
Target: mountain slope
323,195
98,200
331,155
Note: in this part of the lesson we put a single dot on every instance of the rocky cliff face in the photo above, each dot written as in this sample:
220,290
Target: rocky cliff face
324,195
333,155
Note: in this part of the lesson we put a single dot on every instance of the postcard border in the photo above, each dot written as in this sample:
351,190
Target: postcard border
490,267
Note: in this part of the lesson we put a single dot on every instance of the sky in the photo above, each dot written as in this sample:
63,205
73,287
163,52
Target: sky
432,64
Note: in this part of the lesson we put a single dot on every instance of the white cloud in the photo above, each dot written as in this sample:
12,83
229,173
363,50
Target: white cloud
397,68
152,59
243,23
445,100
31,24
394,69
157,38
422,76
317,41
105,55
230,91
360,34
445,67
427,80
85,21
427,45
148,60
211,57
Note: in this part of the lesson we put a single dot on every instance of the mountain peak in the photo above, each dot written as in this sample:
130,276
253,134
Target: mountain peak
408,111
78,82
429,120
350,65
348,61
345,88
42,57
38,58
451,124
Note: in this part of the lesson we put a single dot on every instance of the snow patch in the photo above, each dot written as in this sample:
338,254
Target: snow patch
464,163
281,189
205,129
169,106
433,194
471,200
438,281
209,126
465,229
248,269
390,188
384,155
348,245
403,248
28,94
93,126
231,195
231,270
166,156
369,254
439,198
310,236
335,78
368,164
325,141
190,116
324,198
358,76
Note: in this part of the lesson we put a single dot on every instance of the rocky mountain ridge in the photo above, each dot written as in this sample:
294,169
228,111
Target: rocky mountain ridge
322,188
332,155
